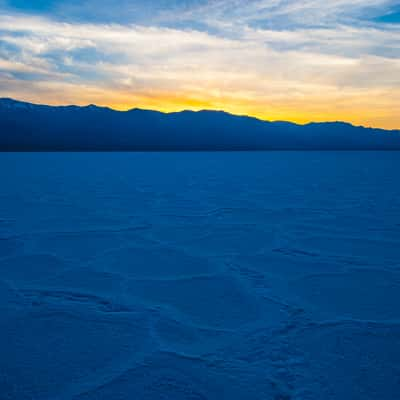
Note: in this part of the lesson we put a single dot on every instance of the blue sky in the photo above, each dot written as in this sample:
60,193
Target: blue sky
275,59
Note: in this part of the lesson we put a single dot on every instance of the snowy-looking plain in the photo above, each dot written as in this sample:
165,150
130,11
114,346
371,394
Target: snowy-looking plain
178,276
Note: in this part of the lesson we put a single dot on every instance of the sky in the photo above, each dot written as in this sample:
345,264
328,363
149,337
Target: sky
294,60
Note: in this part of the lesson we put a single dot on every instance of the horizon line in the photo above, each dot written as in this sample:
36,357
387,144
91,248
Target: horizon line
338,121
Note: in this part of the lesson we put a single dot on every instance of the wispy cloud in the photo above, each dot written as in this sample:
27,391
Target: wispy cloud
318,65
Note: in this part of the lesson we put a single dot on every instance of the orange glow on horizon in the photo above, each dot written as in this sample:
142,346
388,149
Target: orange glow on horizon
301,111
297,113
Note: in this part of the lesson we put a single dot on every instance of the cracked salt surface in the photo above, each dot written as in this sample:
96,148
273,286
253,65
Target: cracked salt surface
200,276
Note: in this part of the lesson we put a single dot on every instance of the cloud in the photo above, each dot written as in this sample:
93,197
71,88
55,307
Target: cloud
303,72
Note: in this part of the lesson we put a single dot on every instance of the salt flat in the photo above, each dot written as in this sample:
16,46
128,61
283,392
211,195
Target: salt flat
270,275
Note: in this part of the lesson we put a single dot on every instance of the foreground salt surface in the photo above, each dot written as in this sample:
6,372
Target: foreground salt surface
200,276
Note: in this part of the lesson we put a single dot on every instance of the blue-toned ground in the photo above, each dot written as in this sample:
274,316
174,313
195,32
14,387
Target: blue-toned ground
178,276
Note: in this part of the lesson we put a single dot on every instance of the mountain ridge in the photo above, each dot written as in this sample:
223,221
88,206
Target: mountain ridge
35,127
205,110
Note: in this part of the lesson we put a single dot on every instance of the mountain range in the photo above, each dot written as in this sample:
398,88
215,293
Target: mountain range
31,127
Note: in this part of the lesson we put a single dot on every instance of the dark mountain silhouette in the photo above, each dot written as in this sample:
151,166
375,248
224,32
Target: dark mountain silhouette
30,127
